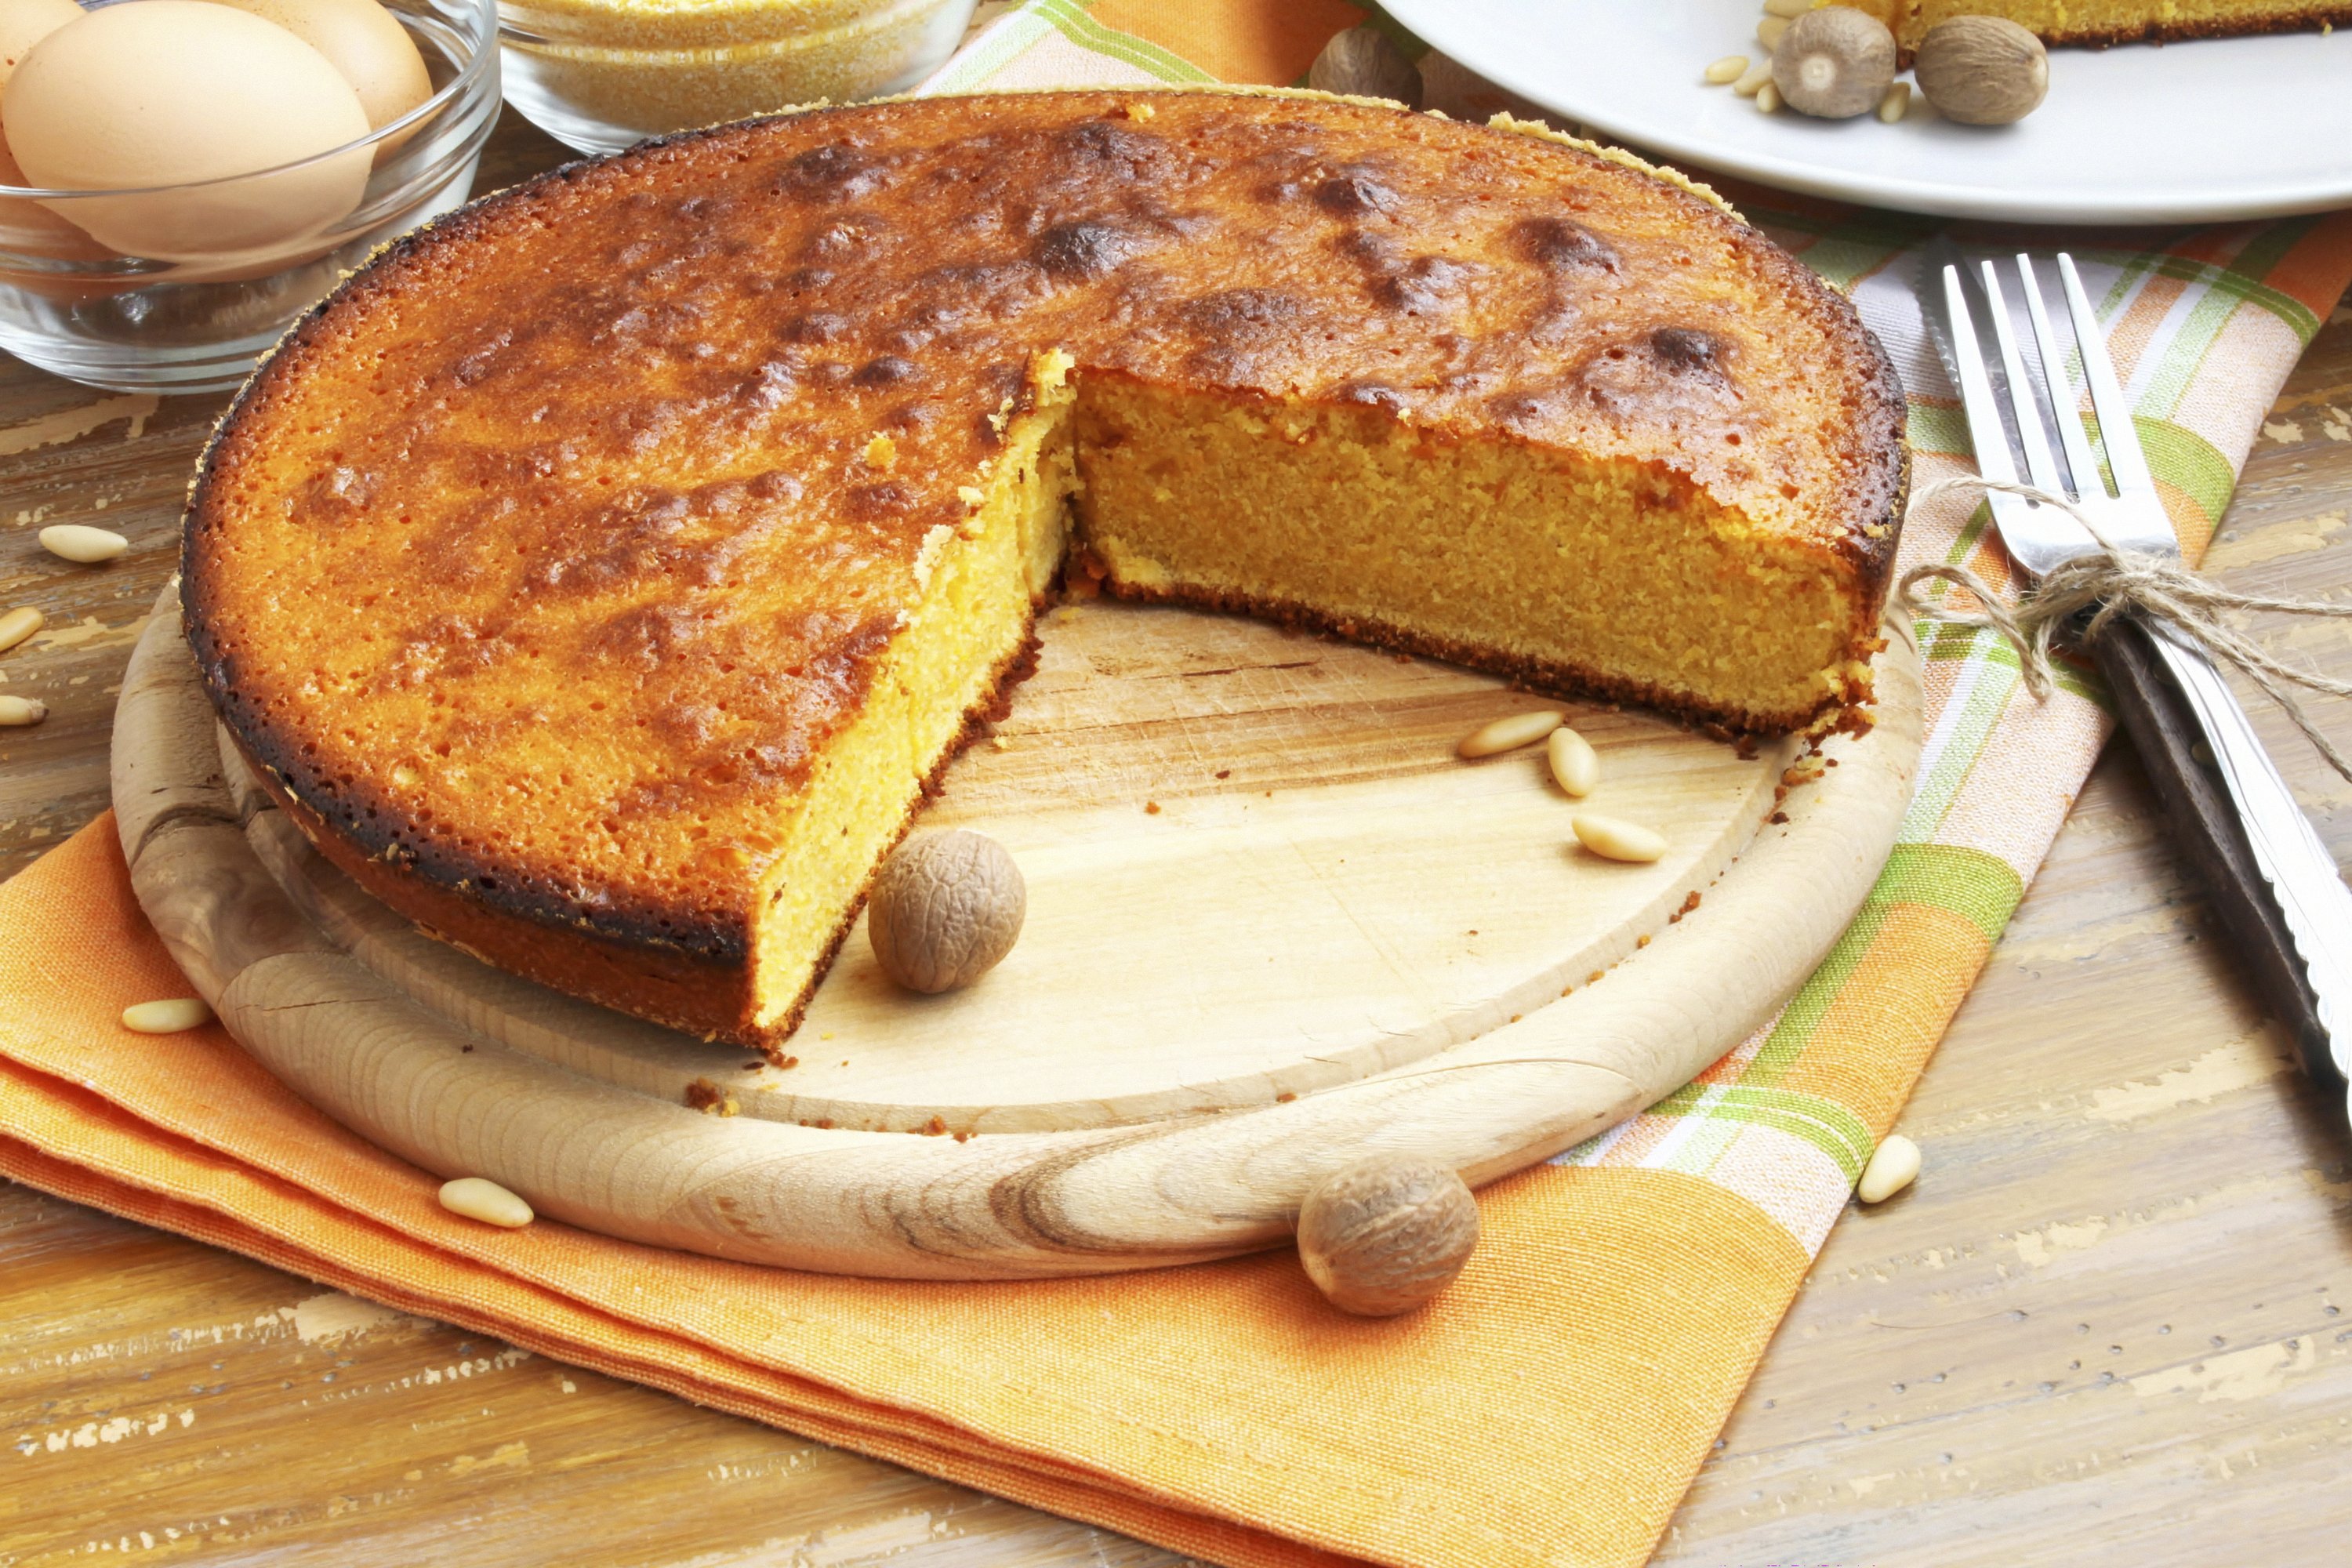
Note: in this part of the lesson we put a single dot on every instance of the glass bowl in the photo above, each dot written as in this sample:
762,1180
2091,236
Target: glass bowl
244,259
599,75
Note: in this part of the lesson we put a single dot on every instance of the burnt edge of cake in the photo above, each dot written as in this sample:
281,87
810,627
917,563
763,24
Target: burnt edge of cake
1543,676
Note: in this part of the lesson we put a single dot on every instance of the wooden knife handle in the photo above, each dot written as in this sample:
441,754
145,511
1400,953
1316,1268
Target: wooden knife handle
2197,802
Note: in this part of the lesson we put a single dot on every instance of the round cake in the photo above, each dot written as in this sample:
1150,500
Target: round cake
601,576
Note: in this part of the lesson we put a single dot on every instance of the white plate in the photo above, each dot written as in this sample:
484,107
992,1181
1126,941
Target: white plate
2218,128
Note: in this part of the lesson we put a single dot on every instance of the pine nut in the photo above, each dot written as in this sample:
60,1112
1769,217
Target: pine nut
1613,839
1730,68
19,623
1754,81
476,1198
23,710
167,1017
1768,31
1574,763
1509,734
1790,8
1893,1167
1768,99
80,542
1896,104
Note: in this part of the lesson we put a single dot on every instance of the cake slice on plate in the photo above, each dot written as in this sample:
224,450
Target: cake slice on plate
2103,22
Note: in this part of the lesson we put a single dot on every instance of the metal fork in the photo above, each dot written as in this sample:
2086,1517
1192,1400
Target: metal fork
2298,920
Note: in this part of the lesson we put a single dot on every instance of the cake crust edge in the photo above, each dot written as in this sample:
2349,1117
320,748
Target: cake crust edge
710,991
2157,31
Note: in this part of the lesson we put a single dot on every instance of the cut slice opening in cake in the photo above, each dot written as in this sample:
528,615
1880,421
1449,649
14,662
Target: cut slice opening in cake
947,665
1609,577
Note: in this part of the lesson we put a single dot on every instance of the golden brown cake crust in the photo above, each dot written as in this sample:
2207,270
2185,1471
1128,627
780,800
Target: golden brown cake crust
668,983
556,544
703,993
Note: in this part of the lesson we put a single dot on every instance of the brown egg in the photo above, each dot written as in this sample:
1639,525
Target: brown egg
361,40
29,230
23,23
174,93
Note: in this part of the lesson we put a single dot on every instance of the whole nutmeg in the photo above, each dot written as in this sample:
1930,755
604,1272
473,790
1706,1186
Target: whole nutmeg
1834,63
946,908
1364,62
1384,1234
1981,70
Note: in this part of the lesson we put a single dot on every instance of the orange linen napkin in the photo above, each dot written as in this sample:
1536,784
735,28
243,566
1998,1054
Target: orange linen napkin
1550,1408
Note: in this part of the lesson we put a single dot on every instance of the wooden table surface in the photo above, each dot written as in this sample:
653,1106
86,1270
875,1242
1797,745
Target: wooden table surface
2106,1325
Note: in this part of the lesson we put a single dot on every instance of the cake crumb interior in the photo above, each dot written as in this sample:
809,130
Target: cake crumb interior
940,674
1608,576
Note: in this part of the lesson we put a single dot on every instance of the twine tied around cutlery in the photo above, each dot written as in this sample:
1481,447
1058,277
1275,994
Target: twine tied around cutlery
2120,581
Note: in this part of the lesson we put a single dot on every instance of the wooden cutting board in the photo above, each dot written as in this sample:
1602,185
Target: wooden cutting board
1275,923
